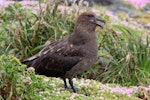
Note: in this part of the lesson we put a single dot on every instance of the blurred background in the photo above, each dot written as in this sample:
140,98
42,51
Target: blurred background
124,43
134,8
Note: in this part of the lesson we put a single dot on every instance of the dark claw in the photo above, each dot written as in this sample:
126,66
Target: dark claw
69,87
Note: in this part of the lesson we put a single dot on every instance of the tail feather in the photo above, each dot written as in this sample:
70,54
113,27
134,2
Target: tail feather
30,60
26,63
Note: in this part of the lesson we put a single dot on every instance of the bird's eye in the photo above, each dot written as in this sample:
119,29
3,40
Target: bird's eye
90,15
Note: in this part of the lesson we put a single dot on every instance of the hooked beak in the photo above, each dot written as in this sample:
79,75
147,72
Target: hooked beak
98,21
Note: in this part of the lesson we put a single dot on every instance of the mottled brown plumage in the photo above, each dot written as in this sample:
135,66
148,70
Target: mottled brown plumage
69,56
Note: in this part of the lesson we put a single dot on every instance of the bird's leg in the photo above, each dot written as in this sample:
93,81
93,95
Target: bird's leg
71,84
65,83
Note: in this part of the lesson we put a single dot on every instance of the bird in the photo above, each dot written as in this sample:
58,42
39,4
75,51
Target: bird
70,56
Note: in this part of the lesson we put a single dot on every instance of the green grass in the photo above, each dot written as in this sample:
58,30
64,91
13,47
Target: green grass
28,31
129,56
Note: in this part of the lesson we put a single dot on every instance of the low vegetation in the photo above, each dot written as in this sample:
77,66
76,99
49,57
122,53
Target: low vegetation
17,82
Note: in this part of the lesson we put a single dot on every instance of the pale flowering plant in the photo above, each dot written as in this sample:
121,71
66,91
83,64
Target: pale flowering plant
138,4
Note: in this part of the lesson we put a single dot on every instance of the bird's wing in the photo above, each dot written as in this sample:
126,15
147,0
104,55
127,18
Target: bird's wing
60,47
57,57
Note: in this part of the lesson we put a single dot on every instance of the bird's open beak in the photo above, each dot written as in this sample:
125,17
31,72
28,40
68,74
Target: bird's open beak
98,21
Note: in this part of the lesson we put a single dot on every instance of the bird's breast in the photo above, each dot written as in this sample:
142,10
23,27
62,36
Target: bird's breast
90,49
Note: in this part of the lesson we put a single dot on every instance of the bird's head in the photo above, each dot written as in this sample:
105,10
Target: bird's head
89,20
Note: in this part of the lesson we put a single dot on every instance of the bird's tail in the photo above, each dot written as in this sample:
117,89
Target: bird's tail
29,61
26,62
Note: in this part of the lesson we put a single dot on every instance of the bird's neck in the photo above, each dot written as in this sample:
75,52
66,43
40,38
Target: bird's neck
82,36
